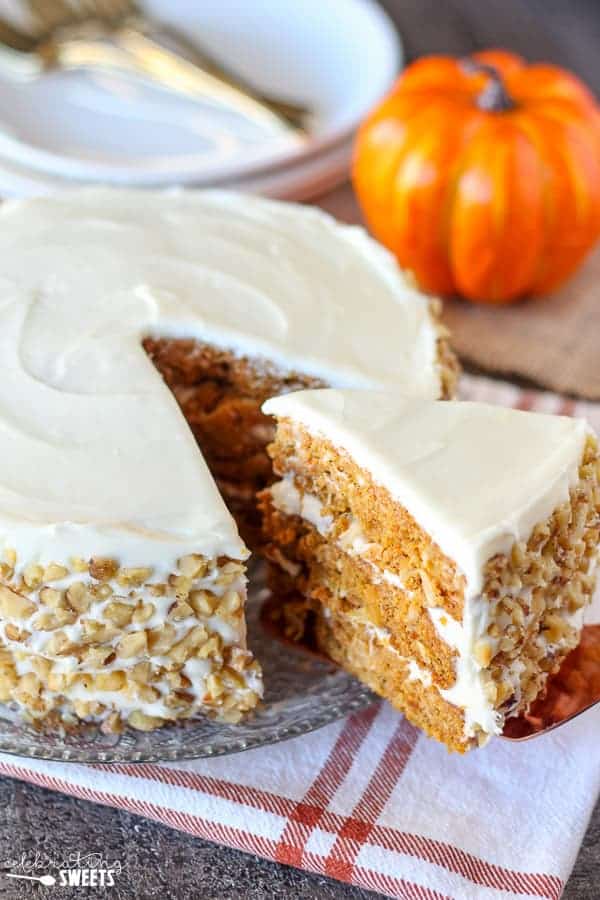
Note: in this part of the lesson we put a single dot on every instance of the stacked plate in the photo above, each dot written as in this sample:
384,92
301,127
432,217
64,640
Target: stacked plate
336,57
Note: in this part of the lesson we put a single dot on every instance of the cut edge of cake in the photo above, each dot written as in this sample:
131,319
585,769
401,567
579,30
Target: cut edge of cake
456,614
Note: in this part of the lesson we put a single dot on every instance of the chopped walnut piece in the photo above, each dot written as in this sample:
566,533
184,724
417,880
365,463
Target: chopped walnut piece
134,577
33,576
141,673
97,632
102,568
59,645
6,572
232,716
203,602
13,605
56,681
180,610
143,613
118,613
46,621
212,647
214,686
132,644
52,598
193,566
10,556
83,708
29,686
138,719
14,633
98,655
230,573
230,604
179,700
178,681
147,693
78,597
554,628
233,677
161,639
483,653
239,658
54,572
42,667
185,647
109,681
180,585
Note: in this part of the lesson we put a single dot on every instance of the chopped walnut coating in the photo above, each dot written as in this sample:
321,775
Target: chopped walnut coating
115,646
535,592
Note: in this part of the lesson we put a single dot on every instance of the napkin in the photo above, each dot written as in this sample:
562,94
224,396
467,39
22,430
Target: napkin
371,801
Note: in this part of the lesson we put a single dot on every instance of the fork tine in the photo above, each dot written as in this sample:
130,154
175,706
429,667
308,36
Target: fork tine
51,14
106,10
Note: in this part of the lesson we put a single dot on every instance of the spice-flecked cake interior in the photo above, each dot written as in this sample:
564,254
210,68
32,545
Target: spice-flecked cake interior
221,394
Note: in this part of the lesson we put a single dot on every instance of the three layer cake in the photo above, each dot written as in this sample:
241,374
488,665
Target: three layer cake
442,552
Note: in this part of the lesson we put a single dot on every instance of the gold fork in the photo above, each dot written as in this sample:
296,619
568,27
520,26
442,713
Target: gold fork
116,35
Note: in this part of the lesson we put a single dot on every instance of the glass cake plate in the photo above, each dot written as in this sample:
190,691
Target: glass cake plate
302,693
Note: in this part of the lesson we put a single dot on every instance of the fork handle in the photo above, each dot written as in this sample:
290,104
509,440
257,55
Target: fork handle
131,51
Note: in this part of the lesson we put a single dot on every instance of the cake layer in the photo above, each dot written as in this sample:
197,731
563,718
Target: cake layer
377,519
368,654
316,565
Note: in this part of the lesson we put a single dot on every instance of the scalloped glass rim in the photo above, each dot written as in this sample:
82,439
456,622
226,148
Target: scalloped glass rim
302,693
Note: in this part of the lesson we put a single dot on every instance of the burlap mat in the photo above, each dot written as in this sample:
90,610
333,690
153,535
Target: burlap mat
553,342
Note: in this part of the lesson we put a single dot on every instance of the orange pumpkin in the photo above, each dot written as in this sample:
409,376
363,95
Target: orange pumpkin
482,175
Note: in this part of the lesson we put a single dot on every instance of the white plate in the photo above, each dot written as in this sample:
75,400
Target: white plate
302,181
337,56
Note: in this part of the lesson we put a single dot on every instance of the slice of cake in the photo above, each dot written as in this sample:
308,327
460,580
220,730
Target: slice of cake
122,583
442,552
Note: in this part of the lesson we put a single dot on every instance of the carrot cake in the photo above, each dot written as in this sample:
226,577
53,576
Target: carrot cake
441,552
122,582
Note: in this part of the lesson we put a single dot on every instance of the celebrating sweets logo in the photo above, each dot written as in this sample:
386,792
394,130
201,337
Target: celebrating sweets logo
77,869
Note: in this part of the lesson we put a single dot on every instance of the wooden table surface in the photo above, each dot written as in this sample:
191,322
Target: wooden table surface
167,865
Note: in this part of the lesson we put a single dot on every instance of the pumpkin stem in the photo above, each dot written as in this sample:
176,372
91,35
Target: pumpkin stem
494,97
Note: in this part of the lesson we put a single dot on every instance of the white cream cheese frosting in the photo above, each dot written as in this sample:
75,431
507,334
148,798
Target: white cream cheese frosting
95,455
475,477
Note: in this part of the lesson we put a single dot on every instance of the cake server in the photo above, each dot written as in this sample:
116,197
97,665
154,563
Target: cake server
116,35
571,691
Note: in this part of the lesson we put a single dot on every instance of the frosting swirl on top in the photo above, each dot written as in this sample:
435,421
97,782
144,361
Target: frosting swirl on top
94,451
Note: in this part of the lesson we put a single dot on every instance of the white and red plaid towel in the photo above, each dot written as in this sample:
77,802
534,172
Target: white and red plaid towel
370,801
